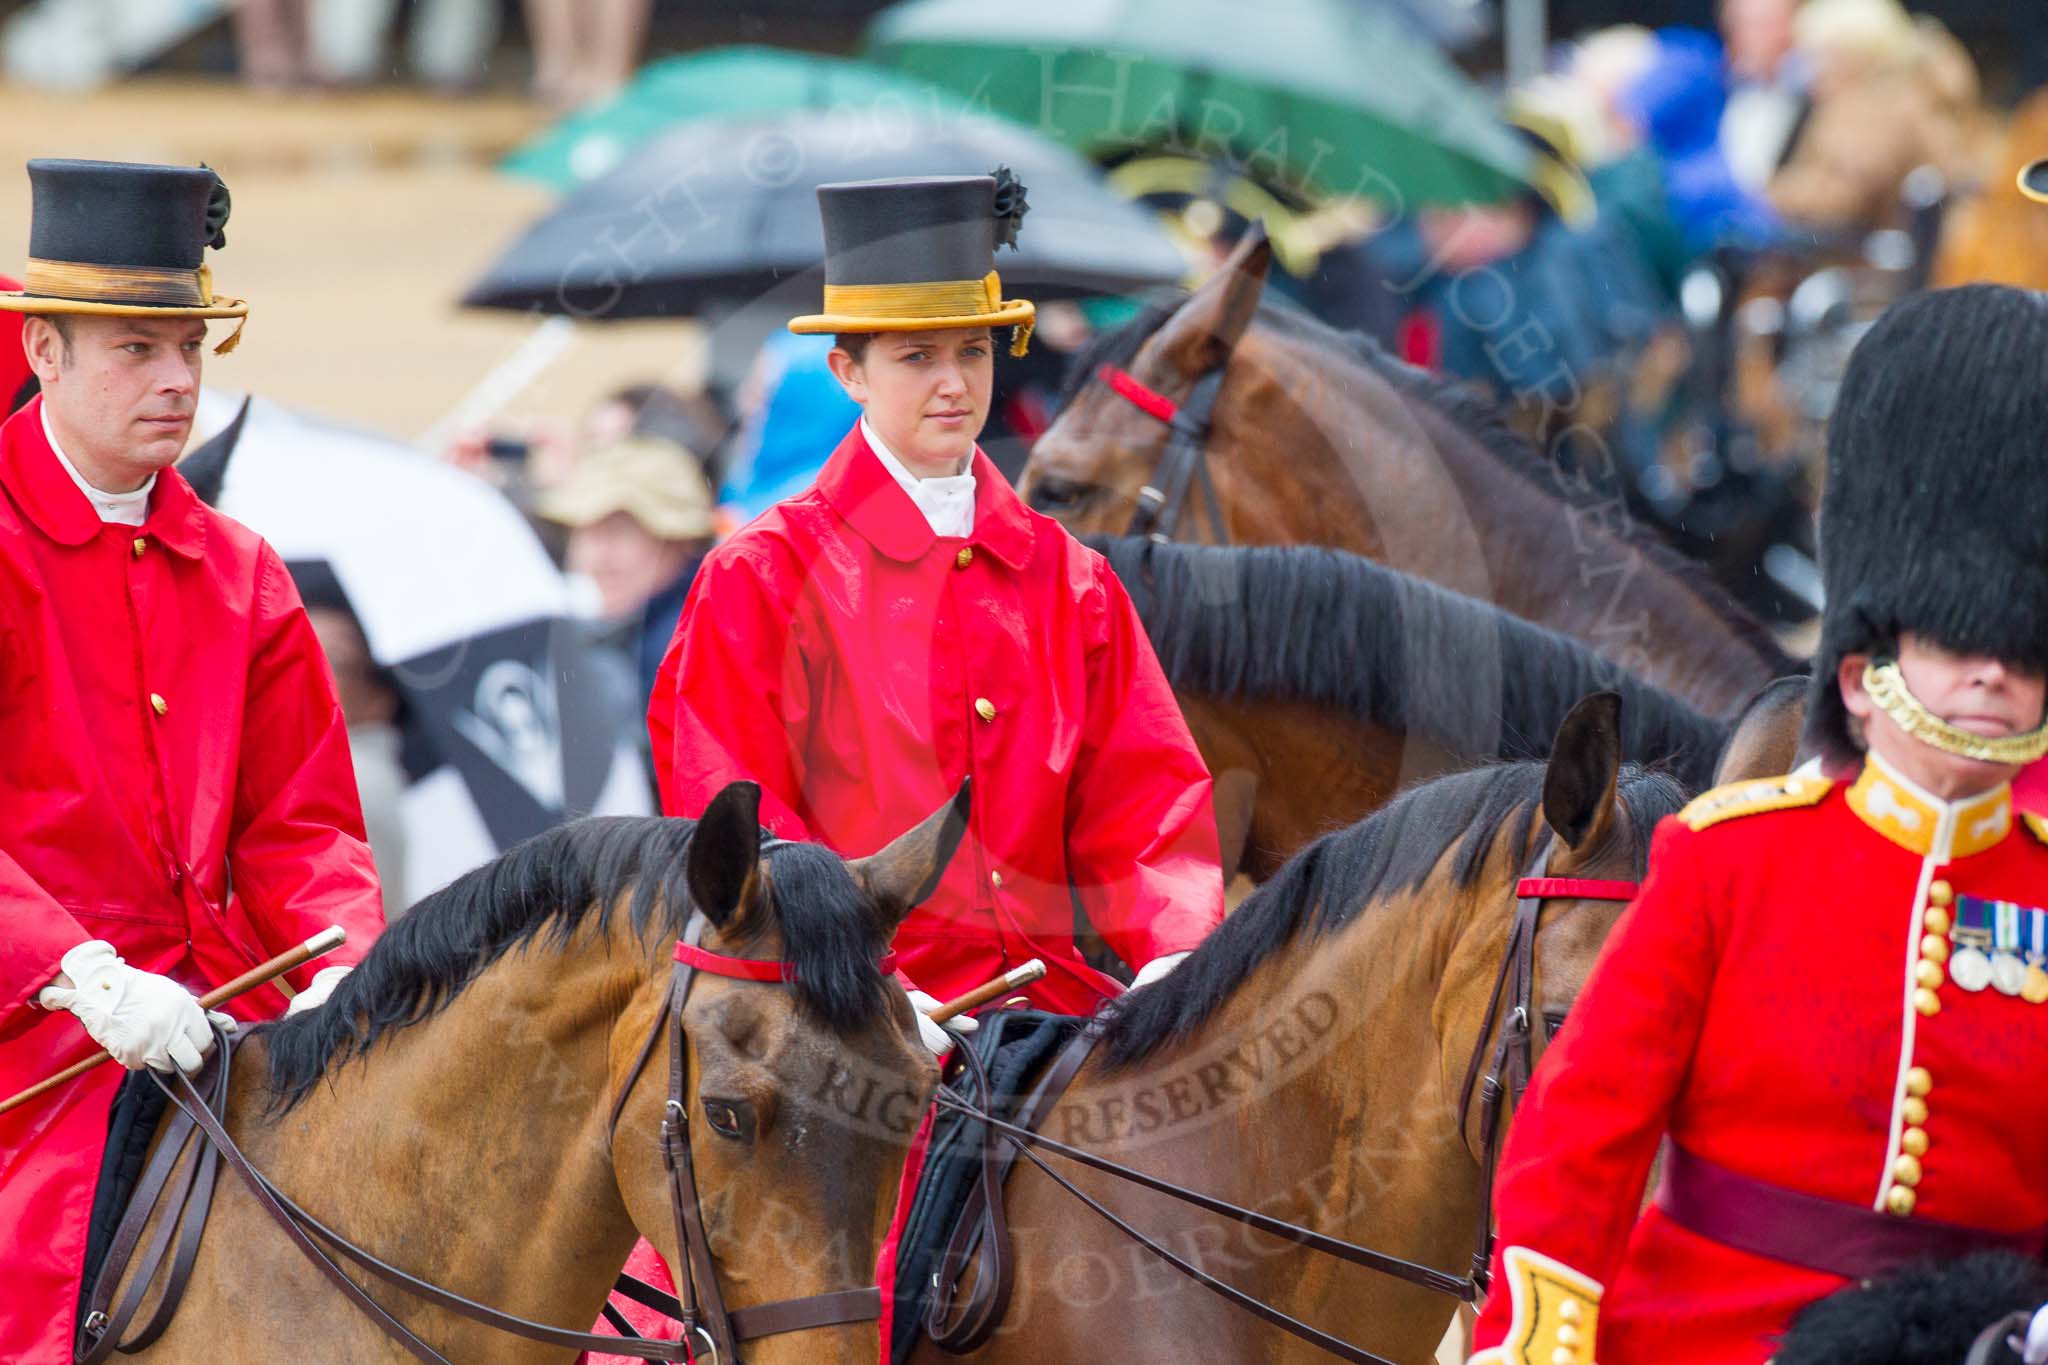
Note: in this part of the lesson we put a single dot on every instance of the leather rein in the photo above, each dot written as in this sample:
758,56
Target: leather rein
1186,460
1496,1072
698,1304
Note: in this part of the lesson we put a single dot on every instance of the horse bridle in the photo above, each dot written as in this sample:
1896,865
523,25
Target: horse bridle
698,1304
1507,1065
1513,1058
1186,459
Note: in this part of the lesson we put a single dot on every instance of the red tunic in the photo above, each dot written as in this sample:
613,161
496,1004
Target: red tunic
858,668
1766,1001
127,820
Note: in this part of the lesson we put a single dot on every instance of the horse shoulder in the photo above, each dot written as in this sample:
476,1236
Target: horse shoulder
1792,791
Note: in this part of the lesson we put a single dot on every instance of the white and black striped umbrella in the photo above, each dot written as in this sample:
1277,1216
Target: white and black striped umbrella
510,724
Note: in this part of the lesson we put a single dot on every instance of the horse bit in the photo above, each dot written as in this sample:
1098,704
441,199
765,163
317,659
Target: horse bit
698,1304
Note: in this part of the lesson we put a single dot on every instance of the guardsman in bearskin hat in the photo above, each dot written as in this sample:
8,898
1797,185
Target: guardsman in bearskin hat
907,623
1829,1004
178,804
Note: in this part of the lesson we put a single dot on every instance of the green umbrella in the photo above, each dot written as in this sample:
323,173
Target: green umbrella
721,82
1334,97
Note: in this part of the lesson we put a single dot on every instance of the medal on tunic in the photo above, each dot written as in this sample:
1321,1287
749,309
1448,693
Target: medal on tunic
2008,972
2034,990
1969,964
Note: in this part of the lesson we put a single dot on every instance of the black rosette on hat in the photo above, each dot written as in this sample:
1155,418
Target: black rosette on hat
1010,206
218,204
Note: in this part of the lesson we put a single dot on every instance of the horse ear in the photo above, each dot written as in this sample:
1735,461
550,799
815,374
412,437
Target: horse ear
1209,324
725,851
1765,740
902,875
1585,764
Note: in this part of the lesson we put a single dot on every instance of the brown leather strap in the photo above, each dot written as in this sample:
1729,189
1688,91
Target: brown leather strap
798,1315
1850,1240
983,1231
104,1328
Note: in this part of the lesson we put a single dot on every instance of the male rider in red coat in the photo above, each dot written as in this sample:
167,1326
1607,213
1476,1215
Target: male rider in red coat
1830,1000
908,623
178,803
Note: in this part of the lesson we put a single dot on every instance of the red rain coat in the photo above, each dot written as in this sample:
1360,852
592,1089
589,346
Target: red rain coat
125,820
858,667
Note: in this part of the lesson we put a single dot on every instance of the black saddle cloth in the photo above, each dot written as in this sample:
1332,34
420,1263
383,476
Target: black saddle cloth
131,1124
1014,1045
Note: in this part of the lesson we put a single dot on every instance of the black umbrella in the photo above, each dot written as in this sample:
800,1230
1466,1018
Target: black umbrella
716,214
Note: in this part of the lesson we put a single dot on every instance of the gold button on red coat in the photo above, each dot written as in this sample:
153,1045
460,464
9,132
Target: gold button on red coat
140,546
159,705
964,558
984,708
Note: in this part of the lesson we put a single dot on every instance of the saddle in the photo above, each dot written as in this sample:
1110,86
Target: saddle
1022,1061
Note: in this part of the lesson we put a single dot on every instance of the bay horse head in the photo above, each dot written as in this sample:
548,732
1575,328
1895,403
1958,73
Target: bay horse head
1133,445
803,1102
482,1102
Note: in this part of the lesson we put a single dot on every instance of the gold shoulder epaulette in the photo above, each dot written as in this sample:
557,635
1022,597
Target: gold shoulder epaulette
2038,824
1754,797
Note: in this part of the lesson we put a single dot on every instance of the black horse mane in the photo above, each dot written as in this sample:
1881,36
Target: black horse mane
547,888
1302,623
1327,885
1466,409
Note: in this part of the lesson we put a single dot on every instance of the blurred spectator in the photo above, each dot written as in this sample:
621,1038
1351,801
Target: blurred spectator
584,50
640,520
291,43
794,414
698,423
271,35
372,706
17,381
1677,103
1767,79
1890,94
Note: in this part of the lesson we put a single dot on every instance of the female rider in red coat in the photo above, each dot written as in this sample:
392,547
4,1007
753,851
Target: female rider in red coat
907,624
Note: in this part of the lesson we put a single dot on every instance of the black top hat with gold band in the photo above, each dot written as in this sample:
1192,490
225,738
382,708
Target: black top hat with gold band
919,254
1934,519
123,240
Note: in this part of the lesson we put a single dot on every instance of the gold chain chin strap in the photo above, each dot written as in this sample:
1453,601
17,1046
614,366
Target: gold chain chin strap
1888,689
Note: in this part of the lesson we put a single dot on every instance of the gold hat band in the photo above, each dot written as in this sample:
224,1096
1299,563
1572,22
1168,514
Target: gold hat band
149,285
927,299
1887,687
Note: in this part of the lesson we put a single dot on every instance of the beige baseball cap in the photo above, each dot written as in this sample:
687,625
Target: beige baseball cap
658,484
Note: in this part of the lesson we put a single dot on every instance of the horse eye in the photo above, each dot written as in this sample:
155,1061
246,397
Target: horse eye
1048,494
1553,1020
729,1119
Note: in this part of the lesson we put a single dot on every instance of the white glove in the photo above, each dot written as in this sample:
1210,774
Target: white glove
140,1018
317,990
935,1037
2037,1339
1156,968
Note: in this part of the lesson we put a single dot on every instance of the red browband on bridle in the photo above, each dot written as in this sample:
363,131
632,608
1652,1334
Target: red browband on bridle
755,969
1579,888
1148,400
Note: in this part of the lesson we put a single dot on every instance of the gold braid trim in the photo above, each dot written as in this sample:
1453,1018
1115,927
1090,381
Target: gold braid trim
159,286
927,299
1888,689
